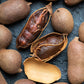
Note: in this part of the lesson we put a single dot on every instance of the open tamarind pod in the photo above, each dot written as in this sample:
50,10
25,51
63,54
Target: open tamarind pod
42,72
34,26
49,46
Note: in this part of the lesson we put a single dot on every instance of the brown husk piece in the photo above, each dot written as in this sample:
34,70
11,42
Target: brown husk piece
42,72
2,79
49,46
34,26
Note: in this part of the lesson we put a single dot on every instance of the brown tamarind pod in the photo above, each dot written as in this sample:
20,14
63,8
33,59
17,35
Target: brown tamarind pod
72,2
49,46
2,79
36,23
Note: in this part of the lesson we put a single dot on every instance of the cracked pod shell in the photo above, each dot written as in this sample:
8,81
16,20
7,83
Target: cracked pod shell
35,25
49,46
39,71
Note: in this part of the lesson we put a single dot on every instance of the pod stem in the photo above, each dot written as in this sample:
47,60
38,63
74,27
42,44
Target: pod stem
49,7
19,70
31,55
76,38
29,3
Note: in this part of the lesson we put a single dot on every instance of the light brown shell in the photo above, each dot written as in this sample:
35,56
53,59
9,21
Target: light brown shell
39,71
62,45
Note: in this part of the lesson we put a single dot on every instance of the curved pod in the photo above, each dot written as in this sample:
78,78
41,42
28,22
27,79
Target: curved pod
10,61
2,79
5,37
13,10
75,61
49,46
72,2
24,81
34,26
62,21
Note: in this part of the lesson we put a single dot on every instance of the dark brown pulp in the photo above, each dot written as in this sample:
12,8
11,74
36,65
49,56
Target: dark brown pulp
33,28
49,46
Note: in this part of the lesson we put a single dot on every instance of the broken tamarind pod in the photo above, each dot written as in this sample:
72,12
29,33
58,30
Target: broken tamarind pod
49,46
42,72
34,26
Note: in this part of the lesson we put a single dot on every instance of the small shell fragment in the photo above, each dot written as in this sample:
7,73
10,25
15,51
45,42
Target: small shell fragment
42,72
49,46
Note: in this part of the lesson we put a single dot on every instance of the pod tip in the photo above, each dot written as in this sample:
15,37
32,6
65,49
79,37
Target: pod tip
29,3
19,70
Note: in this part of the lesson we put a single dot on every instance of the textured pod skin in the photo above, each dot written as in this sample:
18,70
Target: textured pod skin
5,37
49,46
60,83
72,2
62,21
81,32
13,10
24,81
10,61
2,79
75,61
34,26
39,71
